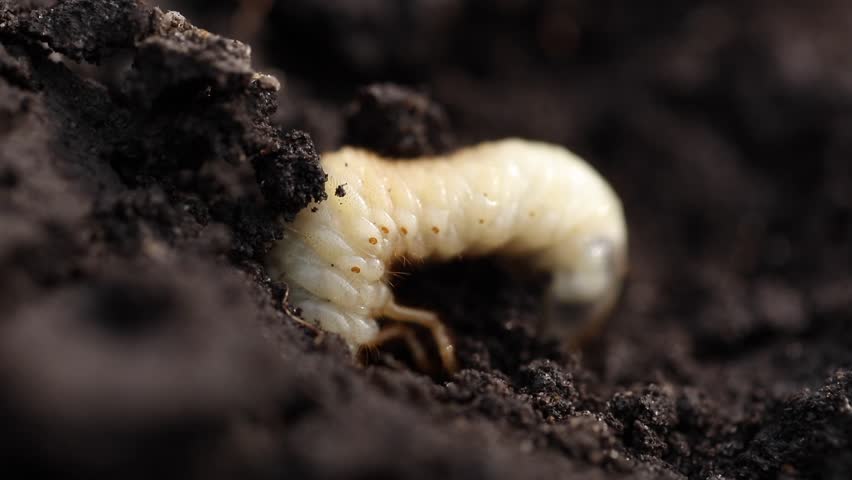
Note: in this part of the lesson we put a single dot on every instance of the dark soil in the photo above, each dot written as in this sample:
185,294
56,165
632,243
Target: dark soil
143,163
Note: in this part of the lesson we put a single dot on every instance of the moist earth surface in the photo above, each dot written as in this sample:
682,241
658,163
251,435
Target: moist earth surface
145,165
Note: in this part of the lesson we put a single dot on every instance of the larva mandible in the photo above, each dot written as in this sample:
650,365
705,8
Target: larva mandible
510,198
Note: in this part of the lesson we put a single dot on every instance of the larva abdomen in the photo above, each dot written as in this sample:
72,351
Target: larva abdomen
520,198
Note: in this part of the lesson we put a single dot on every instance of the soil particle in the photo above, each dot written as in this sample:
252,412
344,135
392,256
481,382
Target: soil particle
552,389
806,435
397,122
179,58
14,70
81,29
644,420
288,176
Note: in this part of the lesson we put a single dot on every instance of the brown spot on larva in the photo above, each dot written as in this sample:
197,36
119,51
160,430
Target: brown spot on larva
484,194
436,230
403,230
374,240
356,270
481,221
384,229
532,214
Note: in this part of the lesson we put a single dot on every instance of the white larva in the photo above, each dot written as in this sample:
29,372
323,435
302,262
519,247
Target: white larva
513,198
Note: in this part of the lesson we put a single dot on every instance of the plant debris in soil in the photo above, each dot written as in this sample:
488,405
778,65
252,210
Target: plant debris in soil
144,163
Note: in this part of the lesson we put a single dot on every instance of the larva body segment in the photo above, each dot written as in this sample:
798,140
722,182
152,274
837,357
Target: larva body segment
511,198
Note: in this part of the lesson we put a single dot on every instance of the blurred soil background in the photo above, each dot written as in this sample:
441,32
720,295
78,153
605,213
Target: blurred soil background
144,164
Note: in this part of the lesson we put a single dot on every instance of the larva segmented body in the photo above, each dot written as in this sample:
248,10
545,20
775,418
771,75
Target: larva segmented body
510,198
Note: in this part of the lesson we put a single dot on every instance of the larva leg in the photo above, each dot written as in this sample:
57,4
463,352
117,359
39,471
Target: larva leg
404,333
286,307
431,321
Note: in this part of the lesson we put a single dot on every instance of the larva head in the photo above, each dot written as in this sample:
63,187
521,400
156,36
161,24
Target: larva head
590,265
